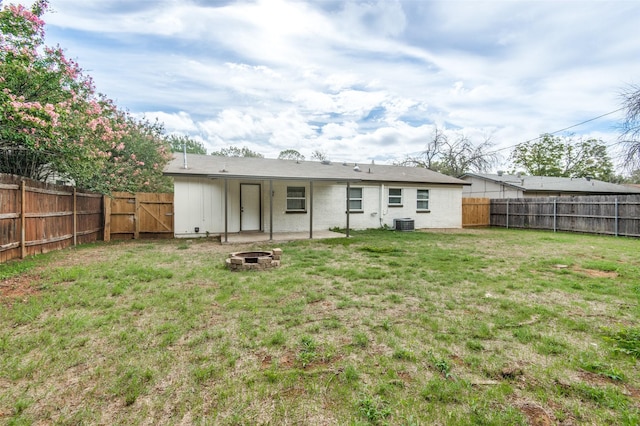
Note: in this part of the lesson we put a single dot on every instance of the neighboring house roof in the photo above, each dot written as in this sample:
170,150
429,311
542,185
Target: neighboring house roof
556,184
266,168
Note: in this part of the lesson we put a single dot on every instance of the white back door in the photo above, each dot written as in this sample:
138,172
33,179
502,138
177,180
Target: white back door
249,207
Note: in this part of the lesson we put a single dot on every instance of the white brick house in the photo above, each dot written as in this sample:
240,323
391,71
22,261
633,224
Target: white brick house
217,195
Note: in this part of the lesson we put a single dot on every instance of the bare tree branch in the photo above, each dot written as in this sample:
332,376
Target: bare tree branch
453,157
630,138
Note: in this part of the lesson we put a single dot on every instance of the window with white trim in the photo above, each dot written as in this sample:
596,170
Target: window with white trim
395,197
296,199
355,199
422,197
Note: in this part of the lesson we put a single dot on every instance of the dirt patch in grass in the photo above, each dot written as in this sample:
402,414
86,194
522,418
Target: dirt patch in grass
536,415
595,379
634,393
288,360
594,273
18,287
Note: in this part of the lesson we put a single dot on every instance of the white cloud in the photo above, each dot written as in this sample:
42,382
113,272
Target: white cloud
180,122
356,78
340,131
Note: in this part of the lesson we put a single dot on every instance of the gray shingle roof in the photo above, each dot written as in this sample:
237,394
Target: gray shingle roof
558,184
266,168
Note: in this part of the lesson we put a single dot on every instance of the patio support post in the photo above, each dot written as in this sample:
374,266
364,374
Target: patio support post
271,210
348,207
226,210
310,209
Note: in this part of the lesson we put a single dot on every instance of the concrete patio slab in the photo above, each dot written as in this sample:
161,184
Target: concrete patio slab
251,237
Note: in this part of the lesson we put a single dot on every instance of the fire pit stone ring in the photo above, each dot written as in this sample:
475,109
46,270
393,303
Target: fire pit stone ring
254,260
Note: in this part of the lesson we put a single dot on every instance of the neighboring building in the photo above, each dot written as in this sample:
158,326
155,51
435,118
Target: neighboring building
521,186
270,195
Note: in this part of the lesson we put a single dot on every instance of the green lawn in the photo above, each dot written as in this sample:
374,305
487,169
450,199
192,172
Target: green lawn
467,327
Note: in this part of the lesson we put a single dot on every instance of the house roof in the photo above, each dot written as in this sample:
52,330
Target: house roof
266,168
556,184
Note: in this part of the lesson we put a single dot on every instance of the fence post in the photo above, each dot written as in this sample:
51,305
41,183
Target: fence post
617,216
106,208
555,214
75,217
136,218
507,213
23,225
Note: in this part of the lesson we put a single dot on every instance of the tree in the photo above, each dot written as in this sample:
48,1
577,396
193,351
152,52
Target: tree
453,156
319,155
630,136
564,157
290,154
234,151
52,121
178,143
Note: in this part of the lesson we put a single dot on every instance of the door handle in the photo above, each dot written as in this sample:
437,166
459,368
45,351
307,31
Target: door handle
241,209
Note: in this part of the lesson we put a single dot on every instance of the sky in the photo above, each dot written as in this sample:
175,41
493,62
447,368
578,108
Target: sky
360,81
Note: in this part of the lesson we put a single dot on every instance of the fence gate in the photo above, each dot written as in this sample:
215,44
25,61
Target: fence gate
140,215
476,212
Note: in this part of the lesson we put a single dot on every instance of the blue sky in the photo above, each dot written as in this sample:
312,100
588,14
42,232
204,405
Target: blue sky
358,80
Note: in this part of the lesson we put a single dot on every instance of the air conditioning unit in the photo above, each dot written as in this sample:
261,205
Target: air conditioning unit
404,224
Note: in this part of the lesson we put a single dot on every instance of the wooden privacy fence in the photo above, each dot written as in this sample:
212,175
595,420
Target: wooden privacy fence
140,215
476,212
36,217
600,214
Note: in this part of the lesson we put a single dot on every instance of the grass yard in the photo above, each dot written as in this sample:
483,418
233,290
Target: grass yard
492,326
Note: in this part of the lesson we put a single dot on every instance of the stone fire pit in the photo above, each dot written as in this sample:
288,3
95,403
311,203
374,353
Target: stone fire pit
254,260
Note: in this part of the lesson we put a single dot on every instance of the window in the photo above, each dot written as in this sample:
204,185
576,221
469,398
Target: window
423,199
355,199
395,197
296,199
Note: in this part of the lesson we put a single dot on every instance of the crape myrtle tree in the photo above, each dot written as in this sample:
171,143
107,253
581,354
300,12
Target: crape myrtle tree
52,121
563,157
453,154
630,136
